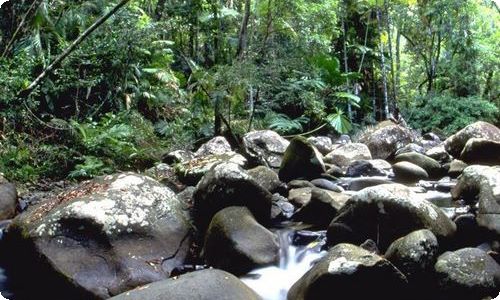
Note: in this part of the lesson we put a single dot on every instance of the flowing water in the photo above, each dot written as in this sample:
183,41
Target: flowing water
298,252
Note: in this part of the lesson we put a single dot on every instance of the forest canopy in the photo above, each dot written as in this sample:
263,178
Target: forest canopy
91,87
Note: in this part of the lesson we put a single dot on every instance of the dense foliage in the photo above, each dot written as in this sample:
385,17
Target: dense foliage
159,75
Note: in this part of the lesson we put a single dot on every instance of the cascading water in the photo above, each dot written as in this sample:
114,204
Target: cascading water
298,252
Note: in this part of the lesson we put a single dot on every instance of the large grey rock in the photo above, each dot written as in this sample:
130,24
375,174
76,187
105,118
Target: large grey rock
266,147
190,172
468,273
300,196
456,168
414,254
406,172
8,200
227,184
348,153
301,160
216,146
236,243
384,213
200,285
482,184
455,143
410,148
321,208
357,184
431,166
266,177
481,152
360,168
322,143
386,138
177,156
350,272
98,240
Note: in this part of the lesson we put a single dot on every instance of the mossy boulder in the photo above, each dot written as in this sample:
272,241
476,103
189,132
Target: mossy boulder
385,213
346,154
386,138
431,166
97,240
301,160
456,143
265,147
481,152
350,272
406,172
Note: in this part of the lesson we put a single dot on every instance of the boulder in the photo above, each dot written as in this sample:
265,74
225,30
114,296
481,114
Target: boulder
348,153
266,177
301,160
236,243
456,168
227,184
357,184
177,156
343,139
481,152
431,166
192,171
455,143
299,197
265,147
97,240
8,200
407,172
207,284
481,184
322,143
386,138
350,272
384,213
216,146
414,255
468,273
439,154
166,175
322,207
327,185
282,209
364,168
410,148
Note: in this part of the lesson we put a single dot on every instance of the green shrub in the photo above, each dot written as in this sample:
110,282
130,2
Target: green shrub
447,114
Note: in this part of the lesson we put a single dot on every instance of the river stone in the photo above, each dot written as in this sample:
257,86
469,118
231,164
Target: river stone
482,183
300,196
364,168
322,207
481,152
357,184
327,185
265,147
192,171
431,166
386,138
455,143
266,177
468,273
98,240
236,243
301,160
322,143
406,172
216,146
348,153
334,170
438,153
177,156
8,200
227,184
352,273
207,284
414,254
384,213
431,136
410,148
343,139
456,168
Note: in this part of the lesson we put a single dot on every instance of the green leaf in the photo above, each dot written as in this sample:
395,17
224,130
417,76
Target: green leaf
339,122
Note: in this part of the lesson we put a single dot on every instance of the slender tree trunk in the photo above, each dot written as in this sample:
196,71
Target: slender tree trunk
243,36
217,39
398,62
384,72
71,48
389,35
269,28
346,66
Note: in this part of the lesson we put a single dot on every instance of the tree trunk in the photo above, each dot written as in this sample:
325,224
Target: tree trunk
346,67
160,5
389,35
398,62
243,36
384,72
71,48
